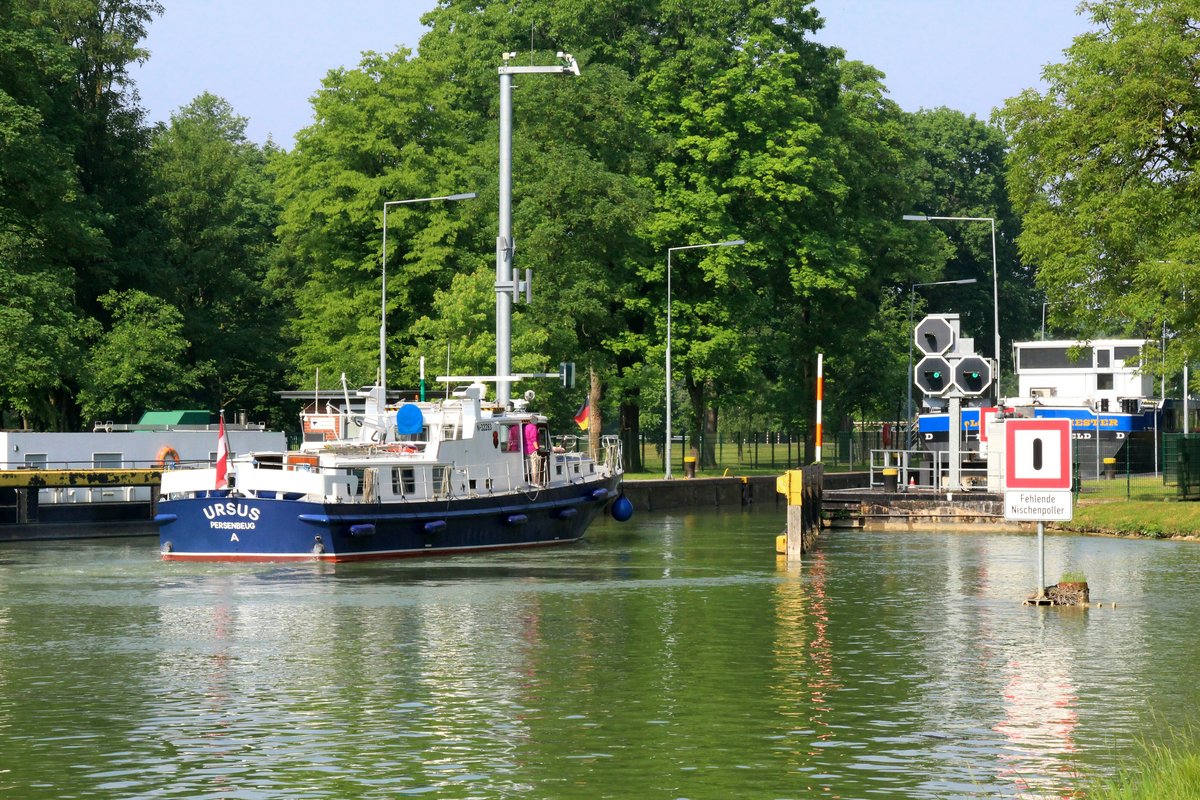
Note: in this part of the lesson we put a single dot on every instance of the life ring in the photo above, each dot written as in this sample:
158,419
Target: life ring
166,454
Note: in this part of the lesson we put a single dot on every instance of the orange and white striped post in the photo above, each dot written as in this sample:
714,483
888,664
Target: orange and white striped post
820,398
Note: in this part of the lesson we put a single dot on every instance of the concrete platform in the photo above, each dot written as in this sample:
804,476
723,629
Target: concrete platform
915,510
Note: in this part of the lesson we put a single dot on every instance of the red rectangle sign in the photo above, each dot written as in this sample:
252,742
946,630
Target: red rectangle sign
1037,454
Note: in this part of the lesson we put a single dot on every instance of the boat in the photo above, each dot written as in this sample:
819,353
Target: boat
1098,385
376,478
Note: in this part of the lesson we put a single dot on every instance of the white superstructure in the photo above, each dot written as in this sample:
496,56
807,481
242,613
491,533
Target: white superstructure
1100,373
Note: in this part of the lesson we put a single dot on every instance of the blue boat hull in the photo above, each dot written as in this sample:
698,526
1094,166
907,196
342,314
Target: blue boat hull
1096,436
260,529
934,429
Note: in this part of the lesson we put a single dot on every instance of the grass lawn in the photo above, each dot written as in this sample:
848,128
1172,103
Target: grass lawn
1156,519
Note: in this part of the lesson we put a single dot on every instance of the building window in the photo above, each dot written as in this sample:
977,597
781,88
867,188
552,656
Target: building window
1104,380
107,460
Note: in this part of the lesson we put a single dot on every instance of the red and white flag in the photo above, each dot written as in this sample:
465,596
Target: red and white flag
222,456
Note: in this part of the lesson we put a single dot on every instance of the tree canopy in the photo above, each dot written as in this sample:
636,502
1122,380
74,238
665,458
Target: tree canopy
1101,170
248,268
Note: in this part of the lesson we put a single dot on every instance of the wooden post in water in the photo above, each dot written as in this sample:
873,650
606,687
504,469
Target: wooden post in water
791,485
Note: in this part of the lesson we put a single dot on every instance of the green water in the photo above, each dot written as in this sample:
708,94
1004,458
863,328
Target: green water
671,657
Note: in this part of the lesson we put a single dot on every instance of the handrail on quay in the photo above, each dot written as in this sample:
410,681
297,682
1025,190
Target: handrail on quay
923,470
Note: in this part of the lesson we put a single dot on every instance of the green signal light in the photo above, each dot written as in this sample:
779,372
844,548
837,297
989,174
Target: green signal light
937,376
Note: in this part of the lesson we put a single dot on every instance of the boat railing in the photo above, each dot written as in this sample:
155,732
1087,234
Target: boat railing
568,442
421,480
614,454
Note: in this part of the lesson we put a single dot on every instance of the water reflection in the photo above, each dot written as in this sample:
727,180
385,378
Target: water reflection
676,655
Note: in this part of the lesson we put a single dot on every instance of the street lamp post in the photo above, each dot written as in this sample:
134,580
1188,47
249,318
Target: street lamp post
995,279
912,295
670,250
383,281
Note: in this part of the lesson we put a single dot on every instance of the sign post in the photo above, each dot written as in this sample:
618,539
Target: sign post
1037,477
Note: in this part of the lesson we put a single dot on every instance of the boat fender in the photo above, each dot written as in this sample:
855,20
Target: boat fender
365,529
600,494
167,453
435,526
622,509
496,439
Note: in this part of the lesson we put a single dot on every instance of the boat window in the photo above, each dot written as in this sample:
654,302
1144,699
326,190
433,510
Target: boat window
36,460
360,474
404,481
1054,358
1104,380
438,482
107,460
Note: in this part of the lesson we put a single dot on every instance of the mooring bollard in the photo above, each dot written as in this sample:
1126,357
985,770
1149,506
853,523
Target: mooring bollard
890,477
689,466
791,485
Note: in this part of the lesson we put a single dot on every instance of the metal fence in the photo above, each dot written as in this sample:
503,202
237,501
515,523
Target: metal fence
763,450
1147,469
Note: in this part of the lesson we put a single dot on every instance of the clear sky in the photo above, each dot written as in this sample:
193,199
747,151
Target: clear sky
267,57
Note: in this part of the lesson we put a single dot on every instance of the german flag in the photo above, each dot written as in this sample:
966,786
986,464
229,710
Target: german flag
581,416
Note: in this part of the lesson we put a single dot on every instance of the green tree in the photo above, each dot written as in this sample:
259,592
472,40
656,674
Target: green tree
73,213
959,172
215,201
388,130
105,128
1101,167
138,363
41,223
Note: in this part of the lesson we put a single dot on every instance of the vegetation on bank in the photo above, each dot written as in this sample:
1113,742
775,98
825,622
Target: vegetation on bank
1163,774
1154,519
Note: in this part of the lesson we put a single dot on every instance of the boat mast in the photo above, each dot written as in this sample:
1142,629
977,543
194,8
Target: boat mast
508,286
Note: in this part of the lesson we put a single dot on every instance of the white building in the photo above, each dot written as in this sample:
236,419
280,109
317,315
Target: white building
137,447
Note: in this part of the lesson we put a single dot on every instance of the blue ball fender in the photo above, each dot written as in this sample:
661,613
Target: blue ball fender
622,509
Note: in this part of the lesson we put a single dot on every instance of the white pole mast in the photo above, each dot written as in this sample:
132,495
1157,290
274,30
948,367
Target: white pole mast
507,284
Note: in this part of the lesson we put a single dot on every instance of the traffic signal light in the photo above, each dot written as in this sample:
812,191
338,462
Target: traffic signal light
932,375
934,335
972,375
